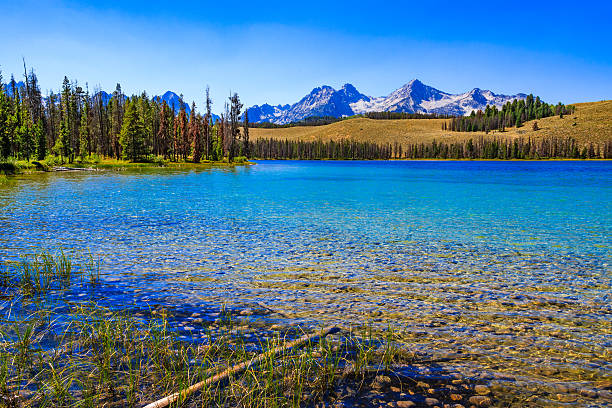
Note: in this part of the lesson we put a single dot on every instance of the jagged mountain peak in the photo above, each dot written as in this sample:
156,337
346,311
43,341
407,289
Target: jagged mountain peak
174,101
412,97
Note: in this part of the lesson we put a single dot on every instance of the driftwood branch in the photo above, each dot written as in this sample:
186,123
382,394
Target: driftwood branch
166,401
63,168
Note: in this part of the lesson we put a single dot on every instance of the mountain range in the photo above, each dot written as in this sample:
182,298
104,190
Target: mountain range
413,97
171,98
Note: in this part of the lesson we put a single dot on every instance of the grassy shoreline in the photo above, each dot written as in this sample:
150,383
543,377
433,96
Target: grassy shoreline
13,167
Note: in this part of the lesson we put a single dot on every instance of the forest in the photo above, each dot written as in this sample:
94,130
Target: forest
74,125
513,113
481,148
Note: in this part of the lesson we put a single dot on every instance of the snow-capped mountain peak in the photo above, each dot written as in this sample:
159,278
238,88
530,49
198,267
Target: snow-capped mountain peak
412,97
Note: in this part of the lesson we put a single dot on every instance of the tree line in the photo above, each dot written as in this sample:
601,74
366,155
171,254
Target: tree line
481,148
326,120
344,149
309,121
73,124
513,113
405,115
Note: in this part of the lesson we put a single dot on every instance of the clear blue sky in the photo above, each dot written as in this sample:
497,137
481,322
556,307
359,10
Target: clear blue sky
277,51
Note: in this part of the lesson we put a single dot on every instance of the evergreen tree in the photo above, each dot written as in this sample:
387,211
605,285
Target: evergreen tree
132,135
208,126
5,113
246,150
195,135
66,123
117,108
41,140
234,123
182,136
84,134
163,134
26,134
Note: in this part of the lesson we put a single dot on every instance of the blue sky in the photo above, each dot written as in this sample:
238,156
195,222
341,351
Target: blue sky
276,52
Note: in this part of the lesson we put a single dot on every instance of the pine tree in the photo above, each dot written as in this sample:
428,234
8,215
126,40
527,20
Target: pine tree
182,137
246,149
5,137
41,140
163,134
26,134
234,133
194,135
65,124
132,135
84,135
117,108
208,126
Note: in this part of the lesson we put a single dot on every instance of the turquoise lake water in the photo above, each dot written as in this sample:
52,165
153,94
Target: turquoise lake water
507,262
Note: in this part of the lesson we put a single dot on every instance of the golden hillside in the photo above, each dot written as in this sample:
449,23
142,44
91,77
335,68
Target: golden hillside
592,122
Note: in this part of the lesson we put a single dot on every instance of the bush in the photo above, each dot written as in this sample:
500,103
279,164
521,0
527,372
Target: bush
240,159
159,160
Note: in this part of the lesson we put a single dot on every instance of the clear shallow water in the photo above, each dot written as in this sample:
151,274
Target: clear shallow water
507,263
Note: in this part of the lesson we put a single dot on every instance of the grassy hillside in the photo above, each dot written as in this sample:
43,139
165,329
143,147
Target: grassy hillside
592,122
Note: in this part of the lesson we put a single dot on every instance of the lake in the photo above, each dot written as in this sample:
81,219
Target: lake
501,269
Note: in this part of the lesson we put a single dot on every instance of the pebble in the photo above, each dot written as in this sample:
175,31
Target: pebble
246,312
431,401
405,404
456,397
480,400
382,379
566,398
588,393
605,394
482,390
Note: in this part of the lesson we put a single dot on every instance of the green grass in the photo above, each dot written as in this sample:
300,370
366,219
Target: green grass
13,166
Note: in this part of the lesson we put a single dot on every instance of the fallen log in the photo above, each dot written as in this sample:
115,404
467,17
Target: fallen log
166,401
63,168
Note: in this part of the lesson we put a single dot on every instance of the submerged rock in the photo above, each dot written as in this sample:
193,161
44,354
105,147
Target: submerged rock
480,400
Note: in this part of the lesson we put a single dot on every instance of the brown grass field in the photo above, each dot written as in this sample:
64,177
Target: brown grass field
590,123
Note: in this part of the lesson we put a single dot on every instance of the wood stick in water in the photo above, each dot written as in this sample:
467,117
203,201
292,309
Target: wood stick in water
164,402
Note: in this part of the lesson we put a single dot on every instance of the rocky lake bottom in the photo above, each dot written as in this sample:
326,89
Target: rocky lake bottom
496,275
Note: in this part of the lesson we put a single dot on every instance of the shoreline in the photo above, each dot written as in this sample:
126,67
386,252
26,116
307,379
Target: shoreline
11,169
33,167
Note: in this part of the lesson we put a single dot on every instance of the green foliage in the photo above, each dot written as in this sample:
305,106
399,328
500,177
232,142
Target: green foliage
132,136
240,159
513,113
41,141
